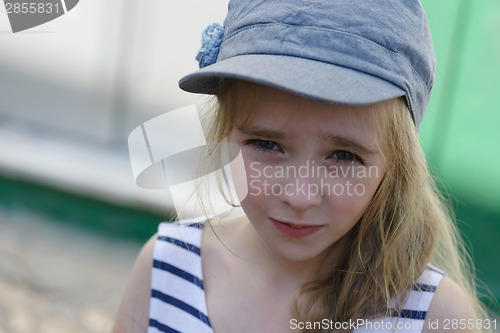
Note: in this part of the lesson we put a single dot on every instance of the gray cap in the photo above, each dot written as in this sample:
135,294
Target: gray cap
354,52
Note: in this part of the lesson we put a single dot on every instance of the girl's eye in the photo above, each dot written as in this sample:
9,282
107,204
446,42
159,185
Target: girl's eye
265,145
345,157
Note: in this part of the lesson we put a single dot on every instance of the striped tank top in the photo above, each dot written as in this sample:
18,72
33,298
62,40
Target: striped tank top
178,299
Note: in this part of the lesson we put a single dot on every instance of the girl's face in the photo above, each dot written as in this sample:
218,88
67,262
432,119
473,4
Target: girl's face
311,171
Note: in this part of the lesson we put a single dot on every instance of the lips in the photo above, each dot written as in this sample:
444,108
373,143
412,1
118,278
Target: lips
296,230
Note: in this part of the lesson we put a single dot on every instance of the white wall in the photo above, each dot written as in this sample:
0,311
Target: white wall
104,67
71,90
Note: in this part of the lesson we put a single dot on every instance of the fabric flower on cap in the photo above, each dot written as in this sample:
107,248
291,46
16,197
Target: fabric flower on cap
211,39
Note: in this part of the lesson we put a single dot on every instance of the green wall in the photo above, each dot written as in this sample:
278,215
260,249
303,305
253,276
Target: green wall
461,130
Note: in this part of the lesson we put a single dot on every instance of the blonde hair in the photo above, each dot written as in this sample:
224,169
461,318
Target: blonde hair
407,225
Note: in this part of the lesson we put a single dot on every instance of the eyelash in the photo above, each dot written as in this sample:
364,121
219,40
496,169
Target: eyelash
256,145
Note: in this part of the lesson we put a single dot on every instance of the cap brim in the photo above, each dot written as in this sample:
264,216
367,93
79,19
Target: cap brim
308,78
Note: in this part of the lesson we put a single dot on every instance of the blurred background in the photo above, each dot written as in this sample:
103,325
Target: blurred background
71,90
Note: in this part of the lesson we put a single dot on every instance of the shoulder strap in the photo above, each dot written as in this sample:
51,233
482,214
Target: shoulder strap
177,294
414,310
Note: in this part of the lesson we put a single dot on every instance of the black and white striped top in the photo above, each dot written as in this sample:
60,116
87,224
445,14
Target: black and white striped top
178,298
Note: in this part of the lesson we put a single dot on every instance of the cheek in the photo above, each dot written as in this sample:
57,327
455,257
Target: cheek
256,183
347,207
260,186
260,179
350,196
256,203
239,176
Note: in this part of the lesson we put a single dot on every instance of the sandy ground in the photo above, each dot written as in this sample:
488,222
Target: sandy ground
54,278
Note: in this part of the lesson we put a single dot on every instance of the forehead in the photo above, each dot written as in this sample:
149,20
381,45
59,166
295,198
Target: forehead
277,110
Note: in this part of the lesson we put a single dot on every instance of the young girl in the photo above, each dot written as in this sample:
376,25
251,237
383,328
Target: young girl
342,223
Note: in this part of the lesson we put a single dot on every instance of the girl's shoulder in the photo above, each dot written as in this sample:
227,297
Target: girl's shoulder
433,304
132,315
440,300
174,248
449,305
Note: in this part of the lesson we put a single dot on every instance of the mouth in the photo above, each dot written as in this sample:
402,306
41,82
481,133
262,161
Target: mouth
296,230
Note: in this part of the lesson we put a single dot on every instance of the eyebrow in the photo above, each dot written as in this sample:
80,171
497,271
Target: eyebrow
262,132
333,138
350,144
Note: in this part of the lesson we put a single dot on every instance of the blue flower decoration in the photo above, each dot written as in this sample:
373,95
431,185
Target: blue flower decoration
211,39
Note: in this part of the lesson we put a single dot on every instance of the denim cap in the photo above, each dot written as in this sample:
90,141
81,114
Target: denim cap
354,52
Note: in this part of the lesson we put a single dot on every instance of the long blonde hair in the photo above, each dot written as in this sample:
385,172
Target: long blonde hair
406,226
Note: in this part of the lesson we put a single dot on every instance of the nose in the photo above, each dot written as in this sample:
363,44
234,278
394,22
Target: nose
301,193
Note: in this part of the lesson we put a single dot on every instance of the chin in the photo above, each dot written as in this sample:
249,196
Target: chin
298,255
